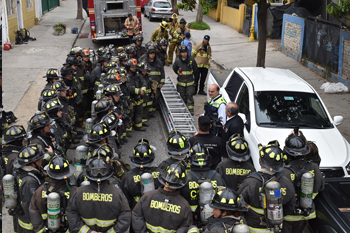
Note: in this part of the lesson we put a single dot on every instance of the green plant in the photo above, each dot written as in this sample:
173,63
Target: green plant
199,25
190,5
58,27
339,10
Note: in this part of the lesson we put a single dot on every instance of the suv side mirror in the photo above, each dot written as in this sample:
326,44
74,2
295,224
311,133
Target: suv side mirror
338,120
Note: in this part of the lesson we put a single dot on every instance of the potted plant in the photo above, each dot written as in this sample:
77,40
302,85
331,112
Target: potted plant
60,29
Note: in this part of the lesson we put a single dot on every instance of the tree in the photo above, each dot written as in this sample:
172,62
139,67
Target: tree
204,6
80,10
174,4
339,10
263,6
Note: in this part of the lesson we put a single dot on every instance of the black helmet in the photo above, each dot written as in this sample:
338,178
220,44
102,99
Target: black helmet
138,38
111,119
104,151
111,65
52,106
163,42
271,156
48,94
28,154
101,51
120,49
123,56
142,66
113,79
104,58
66,70
72,60
143,154
237,148
227,199
85,53
112,89
174,176
151,49
177,144
98,168
183,48
113,71
103,106
182,20
59,86
131,63
39,120
59,168
14,133
296,146
199,155
129,49
51,73
98,132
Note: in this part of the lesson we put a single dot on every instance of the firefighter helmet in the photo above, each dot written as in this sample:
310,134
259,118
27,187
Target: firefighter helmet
177,144
66,70
271,156
39,120
174,16
48,94
112,89
142,66
111,119
227,199
130,49
143,154
111,65
138,38
51,73
103,151
28,154
174,176
72,60
101,51
199,155
183,48
123,56
237,148
59,168
182,20
163,42
85,53
98,132
131,63
113,71
163,24
151,49
59,86
104,58
52,106
103,106
296,146
98,168
14,133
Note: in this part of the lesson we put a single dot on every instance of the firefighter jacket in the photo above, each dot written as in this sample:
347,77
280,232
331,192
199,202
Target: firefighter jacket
125,98
105,212
45,141
87,66
185,70
132,26
181,34
234,172
81,76
74,94
9,154
140,50
294,170
38,204
59,129
202,53
250,191
131,185
161,211
159,34
28,180
162,56
196,176
96,76
156,70
212,106
148,97
67,111
136,84
221,225
173,31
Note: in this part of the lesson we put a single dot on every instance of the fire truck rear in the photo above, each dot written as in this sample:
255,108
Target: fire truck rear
107,18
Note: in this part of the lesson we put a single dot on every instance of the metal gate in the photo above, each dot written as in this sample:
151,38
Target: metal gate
48,5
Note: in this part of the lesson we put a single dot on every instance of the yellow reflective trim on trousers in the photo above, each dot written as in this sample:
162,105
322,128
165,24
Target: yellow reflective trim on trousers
99,222
82,78
144,104
257,210
192,230
44,216
129,129
295,218
137,91
314,195
185,84
149,103
27,226
42,230
84,91
201,66
193,207
190,107
158,229
259,230
111,230
154,73
144,120
162,80
139,125
84,229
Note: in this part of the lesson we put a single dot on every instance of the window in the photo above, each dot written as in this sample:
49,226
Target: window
162,5
29,4
233,86
114,6
243,100
11,7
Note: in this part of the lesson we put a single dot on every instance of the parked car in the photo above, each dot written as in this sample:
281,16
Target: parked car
158,9
274,101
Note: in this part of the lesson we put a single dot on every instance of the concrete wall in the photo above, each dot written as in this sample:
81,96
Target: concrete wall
344,57
292,36
13,26
213,14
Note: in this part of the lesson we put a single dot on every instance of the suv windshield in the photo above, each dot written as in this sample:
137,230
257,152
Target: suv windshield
162,5
290,109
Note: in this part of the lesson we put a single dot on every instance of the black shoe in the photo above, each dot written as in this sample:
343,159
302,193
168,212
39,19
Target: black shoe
125,140
201,92
140,129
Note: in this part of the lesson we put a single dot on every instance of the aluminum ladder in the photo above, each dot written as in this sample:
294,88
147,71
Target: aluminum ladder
175,113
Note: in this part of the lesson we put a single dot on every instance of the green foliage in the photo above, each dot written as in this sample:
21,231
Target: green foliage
59,27
199,26
339,10
187,5
190,5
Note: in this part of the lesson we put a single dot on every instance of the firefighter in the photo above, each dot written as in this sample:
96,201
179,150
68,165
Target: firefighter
271,162
14,139
86,63
160,32
100,52
98,207
164,209
238,167
102,107
142,158
163,45
173,26
59,171
157,75
228,208
181,34
296,149
202,53
123,58
112,119
130,51
126,102
200,162
51,77
45,96
99,135
149,95
140,50
185,67
178,148
137,87
29,177
102,68
132,25
40,128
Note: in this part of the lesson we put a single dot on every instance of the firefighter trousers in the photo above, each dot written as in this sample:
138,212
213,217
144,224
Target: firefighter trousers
200,76
146,110
171,50
295,226
128,124
186,94
137,116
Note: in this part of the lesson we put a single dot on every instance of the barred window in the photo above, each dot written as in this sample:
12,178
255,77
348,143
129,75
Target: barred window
11,7
29,4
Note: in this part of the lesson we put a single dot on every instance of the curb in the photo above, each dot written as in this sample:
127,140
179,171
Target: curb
75,40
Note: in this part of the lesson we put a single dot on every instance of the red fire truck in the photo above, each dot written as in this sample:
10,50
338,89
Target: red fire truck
107,18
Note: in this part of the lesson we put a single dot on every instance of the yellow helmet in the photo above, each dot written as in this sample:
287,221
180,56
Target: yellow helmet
163,24
174,16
